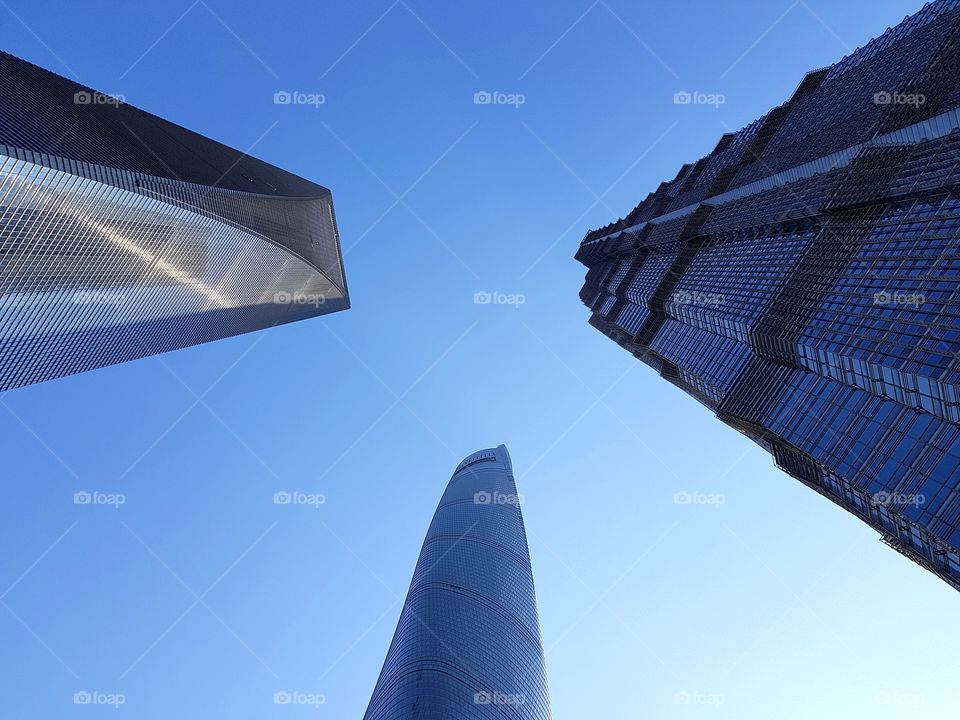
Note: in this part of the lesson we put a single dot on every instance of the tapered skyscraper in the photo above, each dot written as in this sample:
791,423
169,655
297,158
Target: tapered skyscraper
803,282
468,642
123,235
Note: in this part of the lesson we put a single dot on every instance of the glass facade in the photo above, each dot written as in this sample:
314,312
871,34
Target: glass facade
468,641
803,282
123,235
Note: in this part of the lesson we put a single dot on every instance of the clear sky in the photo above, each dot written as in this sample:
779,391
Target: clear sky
200,598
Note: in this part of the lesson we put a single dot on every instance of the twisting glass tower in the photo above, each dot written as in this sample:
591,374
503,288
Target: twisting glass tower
468,641
803,282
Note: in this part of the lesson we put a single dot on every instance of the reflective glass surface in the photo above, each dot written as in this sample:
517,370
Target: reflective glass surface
468,641
803,282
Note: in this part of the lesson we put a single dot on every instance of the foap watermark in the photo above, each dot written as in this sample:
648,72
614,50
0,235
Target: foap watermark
887,499
296,697
96,697
496,498
898,697
487,697
285,298
296,97
98,297
484,297
86,497
685,297
696,97
696,697
88,97
486,97
695,497
899,98
885,297
295,497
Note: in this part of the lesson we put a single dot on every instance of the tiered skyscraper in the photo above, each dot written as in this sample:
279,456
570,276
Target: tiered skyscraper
467,646
123,235
803,282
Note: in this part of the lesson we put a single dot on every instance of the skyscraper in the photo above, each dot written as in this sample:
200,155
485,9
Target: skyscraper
803,282
123,235
468,641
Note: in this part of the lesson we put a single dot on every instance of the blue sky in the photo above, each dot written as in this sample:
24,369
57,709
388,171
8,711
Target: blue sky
199,597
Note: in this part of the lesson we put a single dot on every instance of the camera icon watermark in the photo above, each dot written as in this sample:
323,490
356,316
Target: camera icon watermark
485,297
695,697
285,298
685,297
885,297
696,97
95,697
899,98
897,696
296,697
695,497
98,297
295,97
888,499
495,97
87,97
487,697
86,497
485,497
295,497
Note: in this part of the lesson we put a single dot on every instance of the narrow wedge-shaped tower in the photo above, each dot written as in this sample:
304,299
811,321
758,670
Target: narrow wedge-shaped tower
123,235
468,641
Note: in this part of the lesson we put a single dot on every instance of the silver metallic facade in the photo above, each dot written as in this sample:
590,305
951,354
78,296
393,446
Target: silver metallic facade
467,645
101,262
